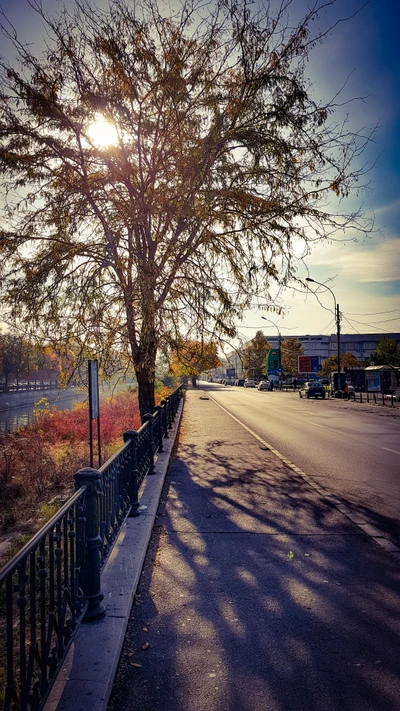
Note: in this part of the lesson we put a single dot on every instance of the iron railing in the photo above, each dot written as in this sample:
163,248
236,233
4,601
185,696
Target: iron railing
55,580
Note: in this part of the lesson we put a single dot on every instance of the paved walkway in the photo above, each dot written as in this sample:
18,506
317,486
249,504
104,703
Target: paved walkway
257,593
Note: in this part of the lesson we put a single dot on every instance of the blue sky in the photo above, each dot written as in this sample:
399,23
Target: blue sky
365,275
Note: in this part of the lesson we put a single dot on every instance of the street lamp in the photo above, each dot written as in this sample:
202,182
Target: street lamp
337,318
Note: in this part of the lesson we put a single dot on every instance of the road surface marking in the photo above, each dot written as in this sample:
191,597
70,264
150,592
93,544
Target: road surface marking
391,450
374,533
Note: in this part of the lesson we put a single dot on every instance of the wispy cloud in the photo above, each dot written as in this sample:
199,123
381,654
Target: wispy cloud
364,263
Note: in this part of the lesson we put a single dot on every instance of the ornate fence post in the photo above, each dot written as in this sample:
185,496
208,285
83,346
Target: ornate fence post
90,565
164,418
169,411
149,420
158,435
132,436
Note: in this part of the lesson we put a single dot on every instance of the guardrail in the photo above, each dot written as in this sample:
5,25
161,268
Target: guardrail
54,582
384,399
21,387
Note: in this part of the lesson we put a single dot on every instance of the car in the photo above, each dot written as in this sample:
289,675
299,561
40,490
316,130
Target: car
249,383
228,381
264,385
312,389
240,382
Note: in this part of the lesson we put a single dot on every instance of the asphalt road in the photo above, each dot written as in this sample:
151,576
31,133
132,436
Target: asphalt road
354,454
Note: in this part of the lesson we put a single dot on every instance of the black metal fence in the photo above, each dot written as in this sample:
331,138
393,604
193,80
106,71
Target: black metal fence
54,582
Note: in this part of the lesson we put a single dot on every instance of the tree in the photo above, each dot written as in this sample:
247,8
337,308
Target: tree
387,352
13,356
254,356
291,349
330,364
221,158
191,358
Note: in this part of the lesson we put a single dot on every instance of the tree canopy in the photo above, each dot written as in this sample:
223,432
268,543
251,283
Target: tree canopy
291,349
254,355
330,364
387,352
222,159
191,358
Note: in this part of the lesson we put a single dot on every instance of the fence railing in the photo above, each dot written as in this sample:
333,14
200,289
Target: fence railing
54,582
34,385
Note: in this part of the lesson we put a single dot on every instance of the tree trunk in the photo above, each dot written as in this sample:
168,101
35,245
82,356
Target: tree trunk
146,382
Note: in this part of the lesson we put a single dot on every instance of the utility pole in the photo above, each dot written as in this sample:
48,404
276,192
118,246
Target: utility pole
337,318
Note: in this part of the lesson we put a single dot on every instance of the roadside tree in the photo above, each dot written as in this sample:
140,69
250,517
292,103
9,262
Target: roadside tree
387,352
155,171
190,358
330,364
254,356
291,349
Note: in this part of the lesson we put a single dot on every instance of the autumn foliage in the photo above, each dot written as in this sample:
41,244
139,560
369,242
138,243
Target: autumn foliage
37,464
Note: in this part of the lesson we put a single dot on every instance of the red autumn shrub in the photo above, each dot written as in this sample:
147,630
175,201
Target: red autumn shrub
39,461
117,414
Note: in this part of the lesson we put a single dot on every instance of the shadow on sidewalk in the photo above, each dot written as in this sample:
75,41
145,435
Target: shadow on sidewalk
257,594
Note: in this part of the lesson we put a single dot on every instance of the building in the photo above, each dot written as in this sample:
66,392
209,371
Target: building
360,344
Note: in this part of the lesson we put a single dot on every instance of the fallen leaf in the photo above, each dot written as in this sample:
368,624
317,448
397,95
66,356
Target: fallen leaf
130,654
145,629
146,645
290,555
135,664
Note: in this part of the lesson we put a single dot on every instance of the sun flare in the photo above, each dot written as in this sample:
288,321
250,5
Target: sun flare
102,133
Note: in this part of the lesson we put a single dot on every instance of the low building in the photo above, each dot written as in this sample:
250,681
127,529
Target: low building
361,345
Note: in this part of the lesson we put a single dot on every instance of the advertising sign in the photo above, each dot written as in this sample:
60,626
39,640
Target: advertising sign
274,361
230,372
373,380
308,364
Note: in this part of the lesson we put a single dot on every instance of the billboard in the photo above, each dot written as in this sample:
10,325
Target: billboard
230,372
274,361
308,364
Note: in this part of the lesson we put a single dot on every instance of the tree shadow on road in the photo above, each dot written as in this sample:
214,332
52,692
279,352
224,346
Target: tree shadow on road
257,594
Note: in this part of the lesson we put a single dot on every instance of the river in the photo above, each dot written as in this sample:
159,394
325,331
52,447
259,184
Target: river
21,414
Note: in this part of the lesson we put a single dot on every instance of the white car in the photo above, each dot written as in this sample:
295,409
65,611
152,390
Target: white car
249,383
264,385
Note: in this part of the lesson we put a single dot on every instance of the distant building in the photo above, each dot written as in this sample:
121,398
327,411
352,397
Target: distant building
360,344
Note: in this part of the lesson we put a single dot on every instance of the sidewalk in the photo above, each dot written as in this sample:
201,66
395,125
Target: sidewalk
257,593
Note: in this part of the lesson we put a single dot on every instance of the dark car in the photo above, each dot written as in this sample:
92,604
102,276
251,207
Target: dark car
240,382
312,389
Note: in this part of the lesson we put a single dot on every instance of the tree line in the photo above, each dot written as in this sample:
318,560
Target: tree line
22,360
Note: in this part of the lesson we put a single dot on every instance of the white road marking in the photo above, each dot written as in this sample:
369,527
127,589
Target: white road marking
391,450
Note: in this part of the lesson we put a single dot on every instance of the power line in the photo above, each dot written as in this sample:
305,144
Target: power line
361,323
377,313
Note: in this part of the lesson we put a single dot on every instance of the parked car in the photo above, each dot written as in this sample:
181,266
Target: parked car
312,389
240,382
264,385
249,383
228,381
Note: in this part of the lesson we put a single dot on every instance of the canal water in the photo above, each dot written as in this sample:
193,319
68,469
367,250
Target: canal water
21,415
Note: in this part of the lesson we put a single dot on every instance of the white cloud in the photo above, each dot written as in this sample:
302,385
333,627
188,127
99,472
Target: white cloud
367,262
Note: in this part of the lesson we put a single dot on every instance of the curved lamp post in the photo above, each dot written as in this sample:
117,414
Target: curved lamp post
337,318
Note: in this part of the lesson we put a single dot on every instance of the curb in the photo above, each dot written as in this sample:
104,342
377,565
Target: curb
86,678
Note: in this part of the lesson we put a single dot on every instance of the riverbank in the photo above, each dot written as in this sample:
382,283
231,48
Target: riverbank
13,400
